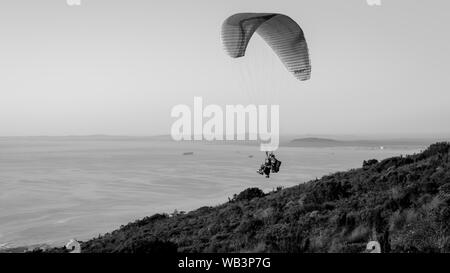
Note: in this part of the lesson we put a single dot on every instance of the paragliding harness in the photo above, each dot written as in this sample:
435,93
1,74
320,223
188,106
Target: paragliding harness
275,165
265,168
271,165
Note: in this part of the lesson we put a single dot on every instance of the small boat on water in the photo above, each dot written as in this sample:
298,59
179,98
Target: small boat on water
188,153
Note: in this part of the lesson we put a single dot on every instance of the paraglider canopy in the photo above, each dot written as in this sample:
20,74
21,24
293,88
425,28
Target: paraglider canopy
279,31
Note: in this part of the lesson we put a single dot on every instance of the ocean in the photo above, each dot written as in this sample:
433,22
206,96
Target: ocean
53,189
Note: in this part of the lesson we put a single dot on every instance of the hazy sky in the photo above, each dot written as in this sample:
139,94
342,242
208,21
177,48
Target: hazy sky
119,66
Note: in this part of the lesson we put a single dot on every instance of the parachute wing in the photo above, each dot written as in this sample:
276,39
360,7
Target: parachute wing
279,31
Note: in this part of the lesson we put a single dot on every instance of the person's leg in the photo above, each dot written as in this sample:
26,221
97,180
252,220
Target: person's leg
261,169
267,171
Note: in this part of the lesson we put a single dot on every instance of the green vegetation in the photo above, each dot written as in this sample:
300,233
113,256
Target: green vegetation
402,202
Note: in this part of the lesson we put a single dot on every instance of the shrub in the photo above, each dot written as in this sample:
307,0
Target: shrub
249,194
367,164
142,246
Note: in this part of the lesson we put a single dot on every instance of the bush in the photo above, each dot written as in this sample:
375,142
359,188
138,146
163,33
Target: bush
249,194
367,164
145,246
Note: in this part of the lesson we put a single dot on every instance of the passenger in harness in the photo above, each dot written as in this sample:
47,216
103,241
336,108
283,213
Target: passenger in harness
275,163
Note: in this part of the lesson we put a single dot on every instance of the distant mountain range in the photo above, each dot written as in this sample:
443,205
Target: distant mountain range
285,140
327,142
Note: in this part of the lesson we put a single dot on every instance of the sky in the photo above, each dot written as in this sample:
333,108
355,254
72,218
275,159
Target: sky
118,67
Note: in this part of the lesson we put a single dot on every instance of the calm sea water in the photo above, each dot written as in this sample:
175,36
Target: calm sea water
55,189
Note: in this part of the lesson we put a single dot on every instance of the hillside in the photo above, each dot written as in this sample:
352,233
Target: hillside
403,202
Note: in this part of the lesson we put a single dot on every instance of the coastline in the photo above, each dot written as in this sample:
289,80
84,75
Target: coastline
395,196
